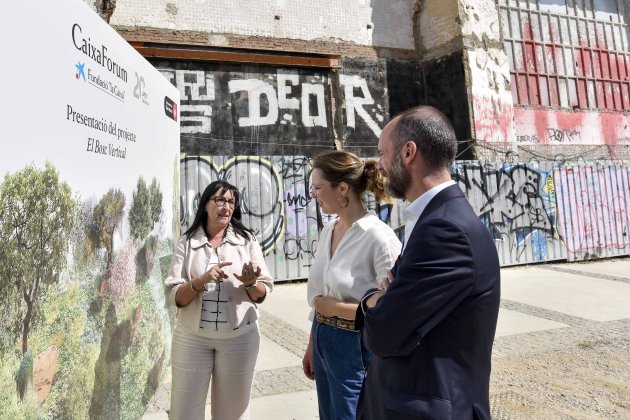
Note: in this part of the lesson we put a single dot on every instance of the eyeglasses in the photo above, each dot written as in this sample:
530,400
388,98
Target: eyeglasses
221,202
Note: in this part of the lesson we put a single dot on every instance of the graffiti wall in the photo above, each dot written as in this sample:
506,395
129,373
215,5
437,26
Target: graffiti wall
258,110
571,128
553,211
535,212
594,201
276,205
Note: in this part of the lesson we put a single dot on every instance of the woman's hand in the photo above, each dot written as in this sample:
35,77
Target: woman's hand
386,281
307,361
216,273
329,306
249,278
325,305
194,287
249,275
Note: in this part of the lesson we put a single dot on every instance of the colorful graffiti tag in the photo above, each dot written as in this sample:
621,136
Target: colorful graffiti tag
535,212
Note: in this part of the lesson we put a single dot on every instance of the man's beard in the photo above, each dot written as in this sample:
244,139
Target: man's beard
398,179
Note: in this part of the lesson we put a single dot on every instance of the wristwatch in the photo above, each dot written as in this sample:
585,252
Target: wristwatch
252,286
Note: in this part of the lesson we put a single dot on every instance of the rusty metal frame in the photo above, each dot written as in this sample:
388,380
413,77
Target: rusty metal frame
178,52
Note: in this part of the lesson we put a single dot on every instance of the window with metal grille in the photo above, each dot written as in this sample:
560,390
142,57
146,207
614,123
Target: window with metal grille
568,53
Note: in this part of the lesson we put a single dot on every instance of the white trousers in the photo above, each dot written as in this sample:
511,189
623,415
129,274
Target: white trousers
229,363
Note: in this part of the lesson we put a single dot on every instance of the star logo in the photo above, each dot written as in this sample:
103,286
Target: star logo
80,70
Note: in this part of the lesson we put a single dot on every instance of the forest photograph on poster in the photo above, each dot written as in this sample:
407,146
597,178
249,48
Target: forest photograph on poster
85,332
89,177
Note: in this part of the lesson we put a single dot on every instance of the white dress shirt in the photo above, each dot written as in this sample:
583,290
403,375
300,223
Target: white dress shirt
414,210
412,214
362,259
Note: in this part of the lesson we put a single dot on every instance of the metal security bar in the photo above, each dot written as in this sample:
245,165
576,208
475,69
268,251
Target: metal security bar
571,54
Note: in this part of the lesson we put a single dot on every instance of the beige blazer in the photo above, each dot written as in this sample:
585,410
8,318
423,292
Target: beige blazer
190,260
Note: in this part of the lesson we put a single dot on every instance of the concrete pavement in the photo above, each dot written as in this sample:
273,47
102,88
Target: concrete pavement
541,305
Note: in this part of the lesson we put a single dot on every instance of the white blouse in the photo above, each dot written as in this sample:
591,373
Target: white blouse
214,310
362,259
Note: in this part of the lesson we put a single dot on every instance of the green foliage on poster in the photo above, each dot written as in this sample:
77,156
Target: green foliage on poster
146,208
107,214
36,216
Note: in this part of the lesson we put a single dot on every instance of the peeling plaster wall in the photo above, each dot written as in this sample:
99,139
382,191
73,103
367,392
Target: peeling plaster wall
488,73
479,19
438,27
378,23
489,84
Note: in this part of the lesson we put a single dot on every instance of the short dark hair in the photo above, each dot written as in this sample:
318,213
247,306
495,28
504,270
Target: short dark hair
201,217
432,133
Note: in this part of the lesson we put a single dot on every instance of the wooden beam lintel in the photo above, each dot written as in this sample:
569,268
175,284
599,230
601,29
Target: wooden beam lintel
237,57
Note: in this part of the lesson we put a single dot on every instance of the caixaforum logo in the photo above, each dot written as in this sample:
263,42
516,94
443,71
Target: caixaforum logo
97,52
99,69
96,80
80,71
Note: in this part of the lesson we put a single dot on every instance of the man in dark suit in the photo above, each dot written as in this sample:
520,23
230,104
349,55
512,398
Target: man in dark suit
431,325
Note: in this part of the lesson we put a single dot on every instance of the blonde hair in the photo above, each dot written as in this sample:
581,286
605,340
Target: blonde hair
338,166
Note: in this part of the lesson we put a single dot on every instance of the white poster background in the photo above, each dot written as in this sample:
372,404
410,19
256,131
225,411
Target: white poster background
40,79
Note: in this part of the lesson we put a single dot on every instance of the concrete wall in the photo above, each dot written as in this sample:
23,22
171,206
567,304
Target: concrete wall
373,23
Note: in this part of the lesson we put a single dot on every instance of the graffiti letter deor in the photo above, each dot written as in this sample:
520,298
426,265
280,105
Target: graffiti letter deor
354,103
255,89
308,119
284,90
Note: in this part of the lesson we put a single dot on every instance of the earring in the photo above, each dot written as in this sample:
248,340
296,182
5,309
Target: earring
339,198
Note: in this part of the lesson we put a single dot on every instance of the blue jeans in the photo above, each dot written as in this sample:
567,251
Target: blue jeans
339,361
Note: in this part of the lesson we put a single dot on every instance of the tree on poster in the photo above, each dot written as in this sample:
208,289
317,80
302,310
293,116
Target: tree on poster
146,208
107,214
36,218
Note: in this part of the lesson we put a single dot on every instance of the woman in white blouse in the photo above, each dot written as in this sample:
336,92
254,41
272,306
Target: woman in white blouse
217,277
355,253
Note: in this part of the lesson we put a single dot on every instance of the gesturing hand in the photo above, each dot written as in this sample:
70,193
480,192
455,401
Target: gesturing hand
249,275
216,273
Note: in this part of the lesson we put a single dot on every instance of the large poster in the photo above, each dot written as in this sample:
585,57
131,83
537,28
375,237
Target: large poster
88,177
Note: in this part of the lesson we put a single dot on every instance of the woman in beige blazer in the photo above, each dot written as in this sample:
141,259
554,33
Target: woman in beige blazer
217,277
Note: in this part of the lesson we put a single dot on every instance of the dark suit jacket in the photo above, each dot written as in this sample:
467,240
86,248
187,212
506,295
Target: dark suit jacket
431,333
